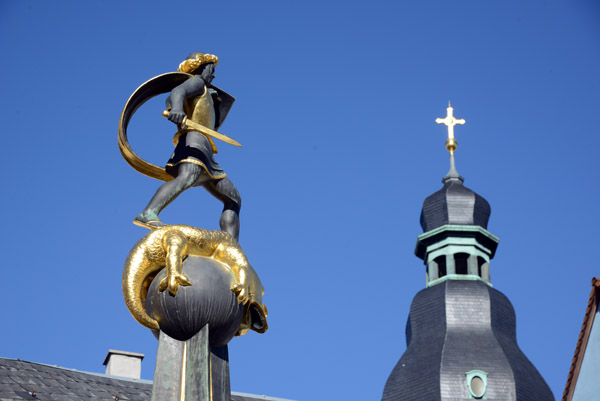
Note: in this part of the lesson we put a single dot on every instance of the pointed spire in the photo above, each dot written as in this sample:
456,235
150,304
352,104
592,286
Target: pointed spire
452,173
451,143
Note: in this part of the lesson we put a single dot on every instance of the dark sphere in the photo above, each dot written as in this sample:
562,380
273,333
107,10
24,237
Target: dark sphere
209,300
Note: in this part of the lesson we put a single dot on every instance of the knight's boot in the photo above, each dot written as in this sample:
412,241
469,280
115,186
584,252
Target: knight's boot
148,220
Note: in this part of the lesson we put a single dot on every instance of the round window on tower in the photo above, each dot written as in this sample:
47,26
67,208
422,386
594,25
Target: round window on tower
477,387
477,384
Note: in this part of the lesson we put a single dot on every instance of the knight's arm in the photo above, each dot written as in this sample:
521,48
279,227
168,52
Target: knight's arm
192,87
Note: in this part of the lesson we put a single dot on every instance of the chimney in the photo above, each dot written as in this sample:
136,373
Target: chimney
123,363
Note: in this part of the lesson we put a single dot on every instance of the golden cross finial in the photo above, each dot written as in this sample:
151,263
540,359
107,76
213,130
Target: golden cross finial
450,122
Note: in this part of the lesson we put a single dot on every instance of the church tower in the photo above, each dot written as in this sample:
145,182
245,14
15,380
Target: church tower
461,333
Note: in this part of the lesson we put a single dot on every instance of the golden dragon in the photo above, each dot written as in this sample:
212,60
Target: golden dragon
167,247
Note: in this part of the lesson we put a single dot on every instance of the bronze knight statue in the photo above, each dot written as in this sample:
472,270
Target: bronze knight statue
192,162
194,288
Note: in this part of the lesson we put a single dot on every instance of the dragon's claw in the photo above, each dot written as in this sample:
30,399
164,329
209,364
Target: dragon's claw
172,282
242,293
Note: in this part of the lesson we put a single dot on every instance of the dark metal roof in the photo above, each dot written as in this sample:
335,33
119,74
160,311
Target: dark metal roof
582,341
22,380
454,204
456,327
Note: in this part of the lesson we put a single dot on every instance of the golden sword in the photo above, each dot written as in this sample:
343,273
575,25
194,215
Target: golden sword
207,131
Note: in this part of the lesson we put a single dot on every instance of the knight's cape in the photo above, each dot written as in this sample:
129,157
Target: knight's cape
158,85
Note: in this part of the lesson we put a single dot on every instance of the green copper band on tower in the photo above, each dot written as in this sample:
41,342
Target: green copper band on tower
456,252
470,277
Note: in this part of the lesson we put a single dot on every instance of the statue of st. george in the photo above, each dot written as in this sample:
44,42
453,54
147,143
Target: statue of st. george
192,163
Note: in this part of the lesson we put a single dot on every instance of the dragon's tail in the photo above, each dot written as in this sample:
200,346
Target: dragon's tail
137,275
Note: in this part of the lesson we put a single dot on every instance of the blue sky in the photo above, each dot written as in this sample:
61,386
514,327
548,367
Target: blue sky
336,108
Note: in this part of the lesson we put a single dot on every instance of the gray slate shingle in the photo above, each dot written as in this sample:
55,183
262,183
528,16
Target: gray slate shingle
19,379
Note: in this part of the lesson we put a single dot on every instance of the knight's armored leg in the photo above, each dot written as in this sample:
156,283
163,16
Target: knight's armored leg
187,175
226,192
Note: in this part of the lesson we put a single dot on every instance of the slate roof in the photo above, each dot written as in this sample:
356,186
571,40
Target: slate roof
584,335
456,327
22,380
454,204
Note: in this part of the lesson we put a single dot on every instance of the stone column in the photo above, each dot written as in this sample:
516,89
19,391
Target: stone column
450,265
433,271
472,267
485,272
191,370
